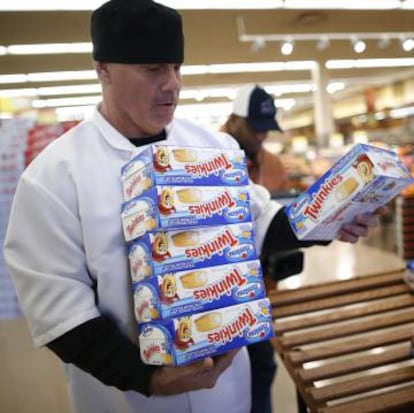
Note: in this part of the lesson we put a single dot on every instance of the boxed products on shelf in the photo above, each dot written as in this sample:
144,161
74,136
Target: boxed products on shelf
361,181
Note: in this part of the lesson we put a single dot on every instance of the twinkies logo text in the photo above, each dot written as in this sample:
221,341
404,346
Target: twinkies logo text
213,206
245,320
314,208
209,167
222,287
213,247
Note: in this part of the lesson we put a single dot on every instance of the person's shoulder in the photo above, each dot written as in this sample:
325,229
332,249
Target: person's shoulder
188,133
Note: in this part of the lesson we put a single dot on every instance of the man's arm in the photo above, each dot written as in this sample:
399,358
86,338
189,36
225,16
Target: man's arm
99,348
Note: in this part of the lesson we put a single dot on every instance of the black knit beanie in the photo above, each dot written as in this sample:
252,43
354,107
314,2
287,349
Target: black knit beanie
136,31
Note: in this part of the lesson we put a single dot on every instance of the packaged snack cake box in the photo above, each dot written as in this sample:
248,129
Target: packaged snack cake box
159,252
185,292
362,180
172,207
181,340
172,165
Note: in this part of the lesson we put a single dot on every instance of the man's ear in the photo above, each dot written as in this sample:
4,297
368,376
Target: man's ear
102,69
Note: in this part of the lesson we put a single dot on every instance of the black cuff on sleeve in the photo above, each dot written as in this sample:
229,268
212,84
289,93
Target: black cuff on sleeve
99,348
280,236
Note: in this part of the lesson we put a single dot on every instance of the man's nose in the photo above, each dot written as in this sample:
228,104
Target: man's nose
173,78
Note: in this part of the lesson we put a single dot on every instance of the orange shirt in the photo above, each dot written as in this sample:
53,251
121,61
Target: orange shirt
268,171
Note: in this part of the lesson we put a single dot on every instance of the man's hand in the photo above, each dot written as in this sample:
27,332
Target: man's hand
201,374
360,226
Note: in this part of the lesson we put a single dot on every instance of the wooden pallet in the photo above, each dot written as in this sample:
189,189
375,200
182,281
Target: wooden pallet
346,344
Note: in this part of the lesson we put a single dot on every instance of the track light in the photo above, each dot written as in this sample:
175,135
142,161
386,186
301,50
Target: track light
258,44
287,47
407,44
384,42
358,45
323,43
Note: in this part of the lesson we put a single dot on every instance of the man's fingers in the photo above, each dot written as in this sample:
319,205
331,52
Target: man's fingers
224,361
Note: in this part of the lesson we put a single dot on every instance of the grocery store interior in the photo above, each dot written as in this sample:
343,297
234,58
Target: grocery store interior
341,73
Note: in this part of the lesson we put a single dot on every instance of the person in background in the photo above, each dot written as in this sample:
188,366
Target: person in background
252,117
65,246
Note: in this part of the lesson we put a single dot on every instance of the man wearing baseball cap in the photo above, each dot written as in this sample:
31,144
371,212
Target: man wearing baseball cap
64,243
253,116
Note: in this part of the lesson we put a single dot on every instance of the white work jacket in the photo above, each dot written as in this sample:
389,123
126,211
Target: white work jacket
68,259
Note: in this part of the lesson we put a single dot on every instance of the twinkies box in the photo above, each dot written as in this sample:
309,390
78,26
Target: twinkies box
364,179
185,292
159,252
172,207
173,165
182,340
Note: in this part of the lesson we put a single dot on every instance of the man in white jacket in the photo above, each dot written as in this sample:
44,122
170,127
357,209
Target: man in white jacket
64,243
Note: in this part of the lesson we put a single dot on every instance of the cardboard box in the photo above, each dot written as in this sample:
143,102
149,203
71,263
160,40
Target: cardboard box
173,165
362,180
173,207
186,292
159,252
183,340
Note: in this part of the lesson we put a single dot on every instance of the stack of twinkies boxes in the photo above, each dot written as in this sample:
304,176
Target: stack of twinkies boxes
197,282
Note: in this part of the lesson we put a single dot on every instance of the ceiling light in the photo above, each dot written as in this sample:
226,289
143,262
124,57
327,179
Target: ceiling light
20,5
369,63
287,47
358,45
52,103
408,45
69,90
343,4
10,93
14,78
60,76
334,87
49,48
3,50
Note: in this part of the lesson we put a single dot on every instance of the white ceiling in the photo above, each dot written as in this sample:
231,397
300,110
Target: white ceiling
234,36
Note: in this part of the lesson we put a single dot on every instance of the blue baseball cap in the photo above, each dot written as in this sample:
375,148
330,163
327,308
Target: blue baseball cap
258,107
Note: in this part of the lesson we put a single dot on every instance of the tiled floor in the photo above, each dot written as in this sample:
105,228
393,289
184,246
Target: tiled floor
32,380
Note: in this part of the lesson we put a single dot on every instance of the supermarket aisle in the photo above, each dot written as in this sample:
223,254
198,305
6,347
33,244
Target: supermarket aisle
32,380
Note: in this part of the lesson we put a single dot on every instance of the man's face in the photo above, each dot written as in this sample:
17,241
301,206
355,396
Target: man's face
142,97
249,139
